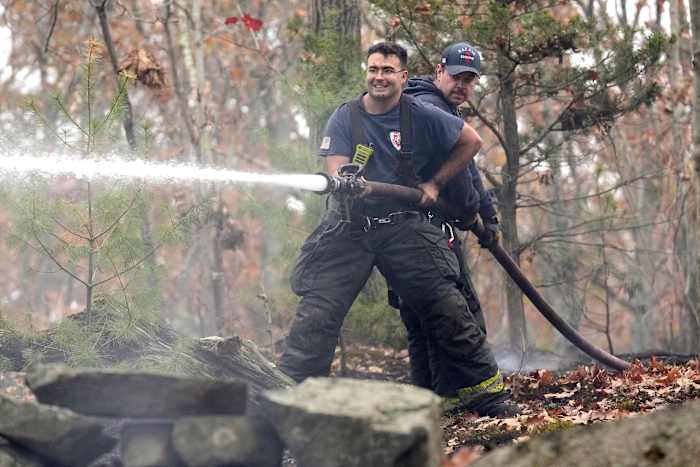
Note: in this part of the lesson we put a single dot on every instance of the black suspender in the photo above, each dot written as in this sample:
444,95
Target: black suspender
406,170
358,136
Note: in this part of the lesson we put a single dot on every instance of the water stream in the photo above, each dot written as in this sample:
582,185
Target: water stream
16,166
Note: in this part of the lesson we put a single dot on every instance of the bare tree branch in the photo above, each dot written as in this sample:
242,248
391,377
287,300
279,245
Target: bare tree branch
54,18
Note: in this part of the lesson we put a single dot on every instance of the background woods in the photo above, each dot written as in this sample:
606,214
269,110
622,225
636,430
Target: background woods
586,109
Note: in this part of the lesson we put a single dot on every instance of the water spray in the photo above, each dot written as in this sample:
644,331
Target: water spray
110,168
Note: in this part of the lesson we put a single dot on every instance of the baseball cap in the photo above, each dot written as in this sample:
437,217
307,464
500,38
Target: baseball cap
460,57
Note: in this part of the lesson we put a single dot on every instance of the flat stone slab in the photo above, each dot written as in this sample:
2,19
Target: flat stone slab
227,442
135,394
59,435
337,422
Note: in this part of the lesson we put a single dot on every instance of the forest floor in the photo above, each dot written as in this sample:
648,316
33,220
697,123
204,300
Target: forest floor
548,400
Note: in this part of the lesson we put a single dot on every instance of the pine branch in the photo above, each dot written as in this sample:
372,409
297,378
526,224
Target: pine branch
45,123
117,220
67,229
62,107
55,260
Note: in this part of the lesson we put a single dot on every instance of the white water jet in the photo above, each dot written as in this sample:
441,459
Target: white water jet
112,167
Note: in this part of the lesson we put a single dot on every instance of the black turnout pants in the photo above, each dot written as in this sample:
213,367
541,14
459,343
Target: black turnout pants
333,266
426,357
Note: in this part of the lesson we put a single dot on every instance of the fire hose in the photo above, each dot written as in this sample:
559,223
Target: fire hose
354,185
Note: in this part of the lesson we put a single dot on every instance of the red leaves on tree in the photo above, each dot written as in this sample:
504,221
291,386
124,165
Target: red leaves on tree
251,23
248,21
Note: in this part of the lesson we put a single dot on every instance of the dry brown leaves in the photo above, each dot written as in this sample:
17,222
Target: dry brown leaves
586,395
143,65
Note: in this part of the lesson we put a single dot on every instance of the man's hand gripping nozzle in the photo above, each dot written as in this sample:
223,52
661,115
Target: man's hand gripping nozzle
349,181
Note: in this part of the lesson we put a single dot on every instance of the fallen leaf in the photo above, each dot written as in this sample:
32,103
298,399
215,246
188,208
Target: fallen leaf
463,457
560,395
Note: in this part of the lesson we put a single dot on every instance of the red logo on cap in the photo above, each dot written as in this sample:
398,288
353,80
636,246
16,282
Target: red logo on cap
466,55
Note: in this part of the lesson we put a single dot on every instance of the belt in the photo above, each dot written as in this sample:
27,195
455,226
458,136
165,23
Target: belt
371,223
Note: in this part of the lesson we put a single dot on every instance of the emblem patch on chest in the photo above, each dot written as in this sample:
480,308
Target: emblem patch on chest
395,138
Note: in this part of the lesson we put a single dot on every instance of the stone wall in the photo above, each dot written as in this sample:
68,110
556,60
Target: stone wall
146,419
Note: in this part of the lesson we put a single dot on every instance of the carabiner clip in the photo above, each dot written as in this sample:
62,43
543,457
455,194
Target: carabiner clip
447,229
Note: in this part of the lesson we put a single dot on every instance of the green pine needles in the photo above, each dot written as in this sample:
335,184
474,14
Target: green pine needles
92,233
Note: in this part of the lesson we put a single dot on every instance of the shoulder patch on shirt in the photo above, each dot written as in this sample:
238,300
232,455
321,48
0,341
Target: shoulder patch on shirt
395,138
326,143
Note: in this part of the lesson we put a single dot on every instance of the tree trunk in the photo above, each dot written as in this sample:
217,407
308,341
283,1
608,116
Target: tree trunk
517,332
694,286
341,19
343,16
101,8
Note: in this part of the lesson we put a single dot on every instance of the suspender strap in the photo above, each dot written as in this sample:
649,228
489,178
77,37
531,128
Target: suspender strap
407,169
358,136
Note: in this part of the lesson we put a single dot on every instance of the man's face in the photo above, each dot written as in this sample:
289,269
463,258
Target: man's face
385,77
458,88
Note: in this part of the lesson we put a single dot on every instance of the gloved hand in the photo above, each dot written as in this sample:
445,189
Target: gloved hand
463,223
493,230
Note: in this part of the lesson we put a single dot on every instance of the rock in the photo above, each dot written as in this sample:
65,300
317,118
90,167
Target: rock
669,437
11,456
353,423
113,428
148,444
64,437
227,441
115,393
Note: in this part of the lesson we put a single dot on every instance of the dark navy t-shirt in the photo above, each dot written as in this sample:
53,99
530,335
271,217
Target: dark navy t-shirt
434,135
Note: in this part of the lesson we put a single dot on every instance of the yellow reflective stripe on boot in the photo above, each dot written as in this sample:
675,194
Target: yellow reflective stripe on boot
489,386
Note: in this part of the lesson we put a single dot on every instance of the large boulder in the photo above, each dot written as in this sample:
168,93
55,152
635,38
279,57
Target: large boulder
227,441
60,435
341,422
116,393
669,437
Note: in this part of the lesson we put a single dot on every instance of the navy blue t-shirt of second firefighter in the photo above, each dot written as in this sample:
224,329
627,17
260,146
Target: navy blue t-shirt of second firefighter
434,135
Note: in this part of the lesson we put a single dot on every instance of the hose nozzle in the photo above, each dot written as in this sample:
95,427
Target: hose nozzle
349,181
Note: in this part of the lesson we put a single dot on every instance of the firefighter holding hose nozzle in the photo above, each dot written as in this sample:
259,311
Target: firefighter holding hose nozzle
397,140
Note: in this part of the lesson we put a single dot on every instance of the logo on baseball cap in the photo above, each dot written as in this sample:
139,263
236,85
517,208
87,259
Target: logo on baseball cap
461,57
